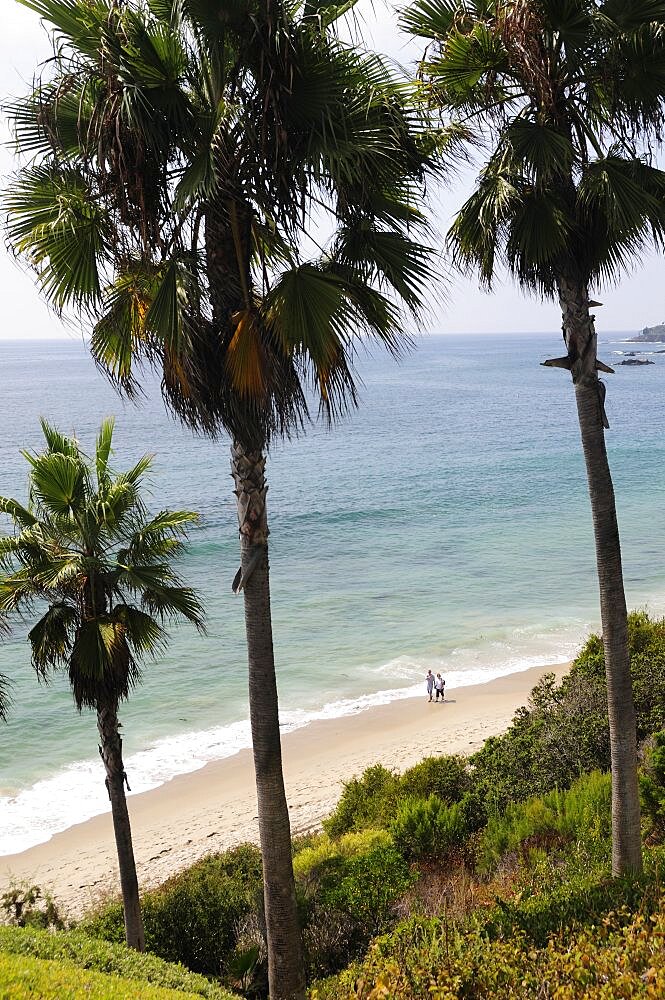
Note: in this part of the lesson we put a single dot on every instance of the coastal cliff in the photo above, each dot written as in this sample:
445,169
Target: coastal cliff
650,335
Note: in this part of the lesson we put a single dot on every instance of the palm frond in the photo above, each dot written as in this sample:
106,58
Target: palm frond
171,603
51,638
18,592
103,449
5,697
158,538
80,24
101,665
57,442
58,482
57,226
19,514
143,633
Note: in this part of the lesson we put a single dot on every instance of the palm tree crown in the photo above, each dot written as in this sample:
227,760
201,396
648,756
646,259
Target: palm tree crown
178,160
564,96
94,566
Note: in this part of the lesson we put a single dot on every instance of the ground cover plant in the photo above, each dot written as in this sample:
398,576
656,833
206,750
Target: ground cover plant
622,956
25,978
80,950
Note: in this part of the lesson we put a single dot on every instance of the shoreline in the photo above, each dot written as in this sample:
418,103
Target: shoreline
214,807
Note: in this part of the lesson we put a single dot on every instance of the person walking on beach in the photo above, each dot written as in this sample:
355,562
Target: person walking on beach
440,686
430,683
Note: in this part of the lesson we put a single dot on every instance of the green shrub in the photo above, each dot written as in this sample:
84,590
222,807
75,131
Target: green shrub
583,811
414,828
622,955
573,904
652,787
372,799
350,845
564,732
346,900
446,777
366,888
24,978
365,802
76,948
27,905
193,918
428,828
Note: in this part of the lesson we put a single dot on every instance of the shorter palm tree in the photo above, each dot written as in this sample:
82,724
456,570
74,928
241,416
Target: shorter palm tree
96,571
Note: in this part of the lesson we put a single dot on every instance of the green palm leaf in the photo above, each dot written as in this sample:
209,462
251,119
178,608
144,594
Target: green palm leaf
62,232
103,450
59,482
5,696
51,638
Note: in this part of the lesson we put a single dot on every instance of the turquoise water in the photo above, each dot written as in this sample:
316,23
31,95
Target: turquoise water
444,524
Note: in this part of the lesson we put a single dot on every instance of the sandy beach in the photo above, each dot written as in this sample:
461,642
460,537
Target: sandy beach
215,807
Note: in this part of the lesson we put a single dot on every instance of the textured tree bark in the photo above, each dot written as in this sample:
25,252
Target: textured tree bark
285,958
111,753
580,337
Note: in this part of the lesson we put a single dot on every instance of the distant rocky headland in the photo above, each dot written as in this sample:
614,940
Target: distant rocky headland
650,335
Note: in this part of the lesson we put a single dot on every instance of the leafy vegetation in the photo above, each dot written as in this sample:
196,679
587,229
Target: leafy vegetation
76,948
194,917
26,905
564,730
25,978
371,800
584,811
622,956
652,787
425,827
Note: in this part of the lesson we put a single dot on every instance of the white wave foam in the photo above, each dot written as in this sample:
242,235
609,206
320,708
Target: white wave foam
635,353
77,792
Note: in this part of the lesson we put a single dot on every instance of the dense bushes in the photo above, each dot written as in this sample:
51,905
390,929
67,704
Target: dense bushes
425,827
652,788
372,799
76,948
583,810
367,801
563,732
621,955
308,861
348,898
193,918
24,978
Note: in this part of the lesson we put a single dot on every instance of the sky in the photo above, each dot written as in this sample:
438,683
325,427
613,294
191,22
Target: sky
637,302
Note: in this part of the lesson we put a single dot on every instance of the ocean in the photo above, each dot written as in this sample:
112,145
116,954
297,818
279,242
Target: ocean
445,524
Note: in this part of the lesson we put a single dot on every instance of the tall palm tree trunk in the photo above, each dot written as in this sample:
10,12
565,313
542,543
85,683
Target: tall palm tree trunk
111,752
581,341
286,974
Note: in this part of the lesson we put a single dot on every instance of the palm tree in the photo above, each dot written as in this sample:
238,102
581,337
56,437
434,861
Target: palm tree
563,96
184,165
96,573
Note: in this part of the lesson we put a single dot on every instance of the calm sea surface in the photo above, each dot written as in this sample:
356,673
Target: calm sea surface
443,525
